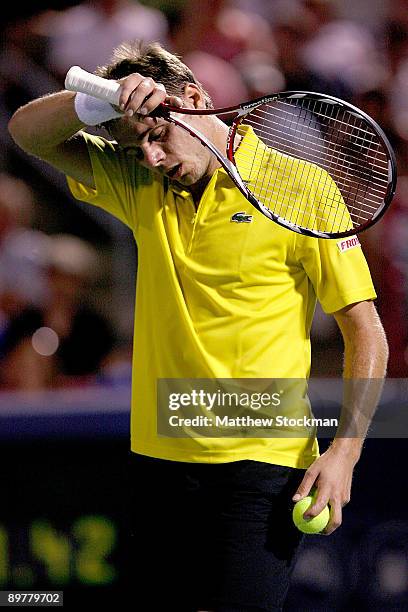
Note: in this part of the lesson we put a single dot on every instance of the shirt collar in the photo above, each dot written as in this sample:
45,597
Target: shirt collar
179,189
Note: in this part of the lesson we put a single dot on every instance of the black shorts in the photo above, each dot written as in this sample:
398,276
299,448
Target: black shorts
213,537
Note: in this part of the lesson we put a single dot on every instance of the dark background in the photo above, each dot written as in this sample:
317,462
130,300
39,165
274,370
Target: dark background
61,472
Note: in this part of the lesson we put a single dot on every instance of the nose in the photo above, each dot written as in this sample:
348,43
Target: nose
153,154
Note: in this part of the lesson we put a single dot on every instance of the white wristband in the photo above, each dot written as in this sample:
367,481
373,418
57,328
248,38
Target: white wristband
92,111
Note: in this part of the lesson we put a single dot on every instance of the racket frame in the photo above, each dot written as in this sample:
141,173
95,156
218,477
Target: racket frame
229,164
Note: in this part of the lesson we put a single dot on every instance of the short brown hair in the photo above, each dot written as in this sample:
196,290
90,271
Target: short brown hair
151,60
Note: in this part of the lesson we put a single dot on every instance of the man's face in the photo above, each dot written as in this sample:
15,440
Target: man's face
165,148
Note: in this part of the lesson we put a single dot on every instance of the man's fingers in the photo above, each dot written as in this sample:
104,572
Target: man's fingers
139,97
319,504
174,101
335,518
305,486
138,92
128,87
153,100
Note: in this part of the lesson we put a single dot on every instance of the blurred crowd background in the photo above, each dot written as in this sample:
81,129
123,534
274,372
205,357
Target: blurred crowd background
67,270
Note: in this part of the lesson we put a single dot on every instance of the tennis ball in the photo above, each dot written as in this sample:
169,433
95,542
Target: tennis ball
314,525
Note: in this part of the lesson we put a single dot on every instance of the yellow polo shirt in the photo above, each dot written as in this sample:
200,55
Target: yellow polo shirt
218,299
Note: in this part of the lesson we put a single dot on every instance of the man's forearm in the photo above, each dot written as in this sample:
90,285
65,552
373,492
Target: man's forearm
365,352
45,123
365,364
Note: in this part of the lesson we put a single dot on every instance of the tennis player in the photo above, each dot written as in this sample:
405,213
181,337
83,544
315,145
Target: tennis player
220,295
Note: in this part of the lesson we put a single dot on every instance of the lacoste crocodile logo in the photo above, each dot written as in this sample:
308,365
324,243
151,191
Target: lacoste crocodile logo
241,217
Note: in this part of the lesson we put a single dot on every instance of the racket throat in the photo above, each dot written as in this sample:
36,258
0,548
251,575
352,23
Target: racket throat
227,164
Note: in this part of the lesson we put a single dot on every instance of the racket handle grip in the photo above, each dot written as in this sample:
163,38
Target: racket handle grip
80,80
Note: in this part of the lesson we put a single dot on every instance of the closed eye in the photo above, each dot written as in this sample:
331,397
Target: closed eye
158,134
134,151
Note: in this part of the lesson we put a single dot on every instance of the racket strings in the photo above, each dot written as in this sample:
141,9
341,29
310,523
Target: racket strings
315,132
369,205
335,157
301,213
286,201
377,195
345,183
316,164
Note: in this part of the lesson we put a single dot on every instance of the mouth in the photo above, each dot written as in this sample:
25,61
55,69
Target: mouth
175,172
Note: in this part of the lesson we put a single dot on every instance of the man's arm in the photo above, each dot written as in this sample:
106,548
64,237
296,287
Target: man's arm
365,357
46,128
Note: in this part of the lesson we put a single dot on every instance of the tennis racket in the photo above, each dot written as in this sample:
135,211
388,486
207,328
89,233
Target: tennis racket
310,162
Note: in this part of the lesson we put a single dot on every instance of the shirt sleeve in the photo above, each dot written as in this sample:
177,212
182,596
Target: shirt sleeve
337,270
116,180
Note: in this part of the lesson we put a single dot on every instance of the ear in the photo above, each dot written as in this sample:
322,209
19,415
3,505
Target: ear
193,96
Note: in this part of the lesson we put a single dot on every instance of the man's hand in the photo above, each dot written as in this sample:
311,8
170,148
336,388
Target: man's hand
141,95
331,474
